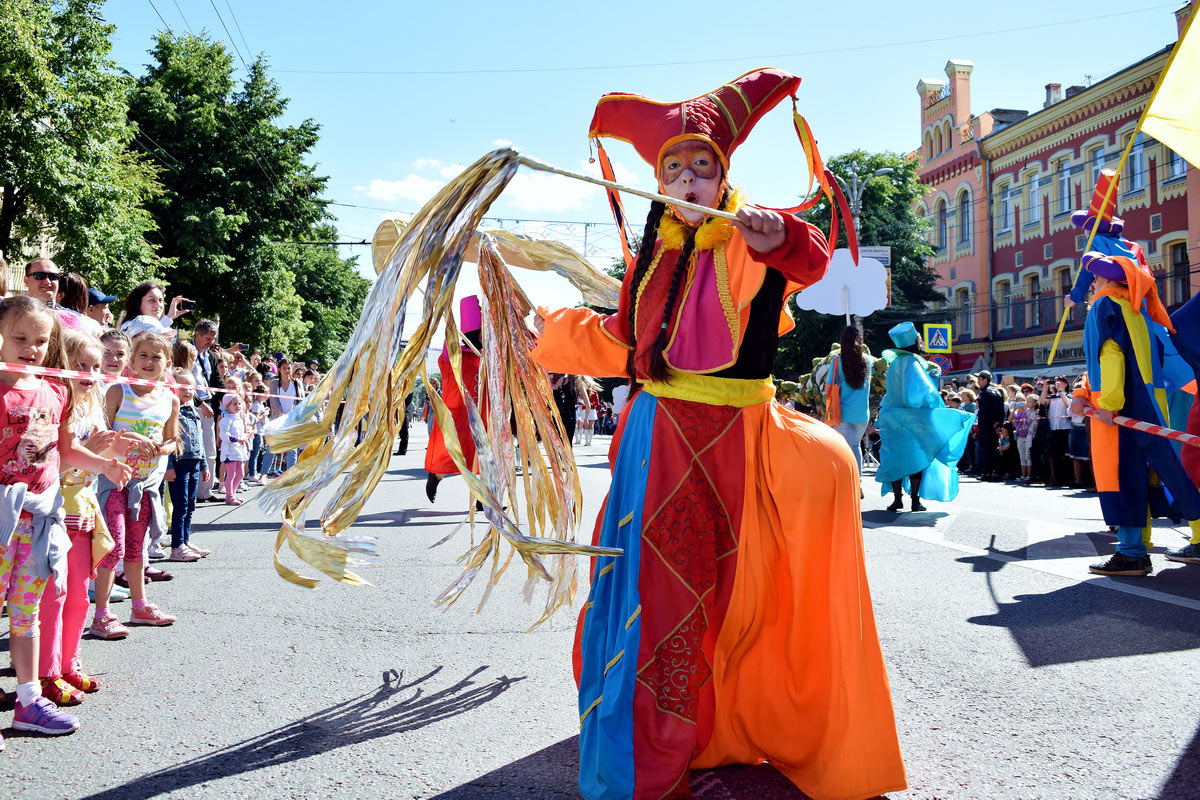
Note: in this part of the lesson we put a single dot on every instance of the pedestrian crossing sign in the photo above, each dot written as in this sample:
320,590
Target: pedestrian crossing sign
938,337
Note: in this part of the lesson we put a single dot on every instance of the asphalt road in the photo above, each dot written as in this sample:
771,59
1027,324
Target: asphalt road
1014,674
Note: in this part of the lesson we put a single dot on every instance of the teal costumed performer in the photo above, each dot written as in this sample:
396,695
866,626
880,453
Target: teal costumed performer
921,439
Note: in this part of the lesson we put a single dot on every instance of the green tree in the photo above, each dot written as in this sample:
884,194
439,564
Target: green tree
331,295
66,168
236,187
887,218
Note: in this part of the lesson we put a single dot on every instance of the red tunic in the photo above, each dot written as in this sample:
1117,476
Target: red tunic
437,459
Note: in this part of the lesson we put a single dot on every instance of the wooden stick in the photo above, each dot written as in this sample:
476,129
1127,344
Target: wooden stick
662,198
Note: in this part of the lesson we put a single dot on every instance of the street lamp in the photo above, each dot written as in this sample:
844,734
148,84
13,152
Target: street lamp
854,191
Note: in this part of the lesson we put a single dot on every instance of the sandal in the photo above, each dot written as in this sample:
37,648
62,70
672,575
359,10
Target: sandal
61,693
155,574
82,681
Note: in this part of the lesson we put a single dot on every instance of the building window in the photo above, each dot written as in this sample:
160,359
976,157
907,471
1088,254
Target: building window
1095,163
964,218
1047,251
1005,222
937,141
1080,241
1155,223
1136,168
964,312
942,226
1035,199
1019,259
1035,302
1181,279
1160,283
1005,306
1063,183
1176,166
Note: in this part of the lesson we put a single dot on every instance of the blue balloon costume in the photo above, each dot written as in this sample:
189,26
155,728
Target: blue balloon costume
921,439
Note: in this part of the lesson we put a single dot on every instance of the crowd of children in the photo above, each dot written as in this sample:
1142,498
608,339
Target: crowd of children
94,477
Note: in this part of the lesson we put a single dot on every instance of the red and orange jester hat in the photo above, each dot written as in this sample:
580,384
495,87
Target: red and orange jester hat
722,118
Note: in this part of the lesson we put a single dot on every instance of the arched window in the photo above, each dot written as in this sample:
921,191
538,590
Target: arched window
942,226
964,217
964,311
928,145
1181,279
937,141
948,141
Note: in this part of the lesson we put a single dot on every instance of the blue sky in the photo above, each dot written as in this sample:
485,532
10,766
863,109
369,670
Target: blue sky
467,75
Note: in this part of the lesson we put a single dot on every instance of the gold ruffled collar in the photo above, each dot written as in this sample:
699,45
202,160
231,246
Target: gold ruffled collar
712,232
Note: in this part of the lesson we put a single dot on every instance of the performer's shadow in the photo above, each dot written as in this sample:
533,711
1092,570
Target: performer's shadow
1082,622
1184,782
553,773
882,518
395,707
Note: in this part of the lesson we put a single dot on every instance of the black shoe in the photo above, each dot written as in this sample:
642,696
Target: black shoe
897,505
431,484
916,505
1118,564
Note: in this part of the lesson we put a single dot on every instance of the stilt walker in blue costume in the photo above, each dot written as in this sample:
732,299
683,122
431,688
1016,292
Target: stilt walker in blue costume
1132,365
921,439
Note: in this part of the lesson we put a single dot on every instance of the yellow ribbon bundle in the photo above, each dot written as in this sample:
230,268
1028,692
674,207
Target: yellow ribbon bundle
376,373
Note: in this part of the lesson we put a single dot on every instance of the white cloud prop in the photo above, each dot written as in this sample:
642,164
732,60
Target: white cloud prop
866,286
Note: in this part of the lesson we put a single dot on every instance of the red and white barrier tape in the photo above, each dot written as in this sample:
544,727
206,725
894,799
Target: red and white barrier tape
54,372
1151,428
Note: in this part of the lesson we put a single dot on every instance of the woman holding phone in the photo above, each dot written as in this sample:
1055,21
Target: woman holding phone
144,311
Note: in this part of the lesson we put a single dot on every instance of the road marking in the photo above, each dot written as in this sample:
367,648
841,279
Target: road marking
1069,567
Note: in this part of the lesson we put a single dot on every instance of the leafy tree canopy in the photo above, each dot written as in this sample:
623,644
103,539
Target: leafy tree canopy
67,171
236,188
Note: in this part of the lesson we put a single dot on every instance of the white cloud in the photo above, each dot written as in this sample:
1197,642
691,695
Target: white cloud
501,142
412,187
450,170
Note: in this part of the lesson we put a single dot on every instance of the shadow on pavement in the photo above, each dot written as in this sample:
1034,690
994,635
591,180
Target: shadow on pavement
1083,622
350,722
551,773
1184,783
882,518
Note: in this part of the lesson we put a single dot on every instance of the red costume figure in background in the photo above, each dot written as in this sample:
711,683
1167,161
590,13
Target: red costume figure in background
438,463
737,626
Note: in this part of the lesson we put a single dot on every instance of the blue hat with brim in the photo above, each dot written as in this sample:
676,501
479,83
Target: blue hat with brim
904,334
96,296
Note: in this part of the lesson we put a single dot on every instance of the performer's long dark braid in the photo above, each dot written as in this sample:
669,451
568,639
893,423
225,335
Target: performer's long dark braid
645,254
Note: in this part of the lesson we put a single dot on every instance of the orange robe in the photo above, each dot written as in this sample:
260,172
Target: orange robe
437,459
737,627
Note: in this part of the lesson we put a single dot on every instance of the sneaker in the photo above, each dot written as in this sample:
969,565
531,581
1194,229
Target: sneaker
119,594
155,552
150,615
61,693
1185,555
82,681
1118,564
42,716
181,553
108,627
200,551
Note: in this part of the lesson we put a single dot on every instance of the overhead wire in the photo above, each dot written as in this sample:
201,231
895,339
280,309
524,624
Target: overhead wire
694,62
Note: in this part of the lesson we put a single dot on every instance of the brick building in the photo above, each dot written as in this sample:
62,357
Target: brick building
1001,199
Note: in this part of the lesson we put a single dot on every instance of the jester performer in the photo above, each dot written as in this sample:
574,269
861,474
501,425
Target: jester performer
921,440
438,463
1125,375
737,627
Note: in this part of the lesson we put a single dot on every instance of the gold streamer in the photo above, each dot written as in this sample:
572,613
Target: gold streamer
375,374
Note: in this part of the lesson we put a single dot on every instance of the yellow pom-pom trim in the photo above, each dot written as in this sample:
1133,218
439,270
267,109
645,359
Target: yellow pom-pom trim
712,232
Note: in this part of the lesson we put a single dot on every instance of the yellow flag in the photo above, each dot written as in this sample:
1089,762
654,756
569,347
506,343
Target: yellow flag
1173,116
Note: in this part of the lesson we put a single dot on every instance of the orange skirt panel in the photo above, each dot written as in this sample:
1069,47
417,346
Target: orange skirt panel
798,671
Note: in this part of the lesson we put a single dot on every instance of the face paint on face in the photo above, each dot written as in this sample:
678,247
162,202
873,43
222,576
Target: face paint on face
690,171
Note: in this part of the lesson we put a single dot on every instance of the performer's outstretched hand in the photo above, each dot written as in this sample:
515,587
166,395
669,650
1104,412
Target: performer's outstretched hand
535,322
762,228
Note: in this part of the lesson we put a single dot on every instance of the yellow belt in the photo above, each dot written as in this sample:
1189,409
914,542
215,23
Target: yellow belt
713,391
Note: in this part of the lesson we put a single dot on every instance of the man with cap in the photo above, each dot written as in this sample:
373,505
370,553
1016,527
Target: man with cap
438,463
697,647
98,306
990,411
921,440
